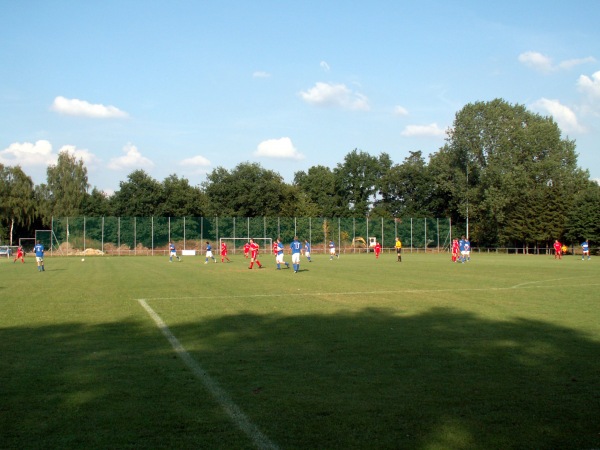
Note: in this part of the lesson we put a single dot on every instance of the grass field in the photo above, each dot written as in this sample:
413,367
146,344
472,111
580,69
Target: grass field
135,352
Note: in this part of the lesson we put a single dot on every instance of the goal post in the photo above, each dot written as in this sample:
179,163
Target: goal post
236,245
27,244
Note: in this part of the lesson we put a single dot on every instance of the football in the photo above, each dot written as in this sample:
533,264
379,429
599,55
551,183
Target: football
82,259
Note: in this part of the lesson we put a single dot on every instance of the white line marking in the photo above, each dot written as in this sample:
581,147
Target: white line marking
527,285
237,415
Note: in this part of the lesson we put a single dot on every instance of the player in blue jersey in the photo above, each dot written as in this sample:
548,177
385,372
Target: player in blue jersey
467,250
39,256
296,247
585,250
461,249
172,252
332,251
209,253
307,250
279,255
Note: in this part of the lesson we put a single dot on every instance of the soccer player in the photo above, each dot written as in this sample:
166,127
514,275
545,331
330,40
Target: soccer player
455,250
172,252
467,250
585,250
20,255
209,253
279,256
254,254
246,249
39,256
296,247
332,252
307,250
377,250
398,250
461,248
564,249
557,250
224,252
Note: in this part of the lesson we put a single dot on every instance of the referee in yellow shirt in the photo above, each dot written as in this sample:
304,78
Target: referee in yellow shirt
399,249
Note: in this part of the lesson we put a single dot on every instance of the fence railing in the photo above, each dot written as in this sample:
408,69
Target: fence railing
151,235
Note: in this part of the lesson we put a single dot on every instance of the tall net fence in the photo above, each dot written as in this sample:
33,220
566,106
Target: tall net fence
151,235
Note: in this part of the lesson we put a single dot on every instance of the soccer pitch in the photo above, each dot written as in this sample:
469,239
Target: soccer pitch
136,352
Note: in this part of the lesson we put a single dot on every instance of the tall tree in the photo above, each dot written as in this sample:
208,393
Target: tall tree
67,185
139,196
583,218
320,190
181,199
502,163
359,179
248,190
16,191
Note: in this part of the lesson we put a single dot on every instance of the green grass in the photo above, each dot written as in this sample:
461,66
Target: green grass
502,352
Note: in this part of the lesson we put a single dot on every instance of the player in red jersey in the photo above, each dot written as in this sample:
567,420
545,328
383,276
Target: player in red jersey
224,252
557,250
454,249
20,255
246,249
275,247
377,250
254,254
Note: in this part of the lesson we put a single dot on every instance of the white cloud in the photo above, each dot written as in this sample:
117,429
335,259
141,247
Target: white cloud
590,86
431,130
278,148
76,107
132,159
324,66
27,154
195,161
570,63
261,74
544,63
563,115
326,94
400,111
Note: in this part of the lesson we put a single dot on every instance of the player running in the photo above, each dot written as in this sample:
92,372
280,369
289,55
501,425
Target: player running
173,252
307,250
296,247
279,256
39,256
209,253
224,252
254,254
20,255
332,251
585,250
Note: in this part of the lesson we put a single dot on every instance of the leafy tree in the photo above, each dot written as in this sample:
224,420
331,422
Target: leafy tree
359,178
320,191
406,188
139,196
67,185
16,192
504,163
583,218
247,191
96,204
181,199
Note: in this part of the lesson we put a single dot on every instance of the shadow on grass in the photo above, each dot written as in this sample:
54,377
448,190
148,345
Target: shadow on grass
442,379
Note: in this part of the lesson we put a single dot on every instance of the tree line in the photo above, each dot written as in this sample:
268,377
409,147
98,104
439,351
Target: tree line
504,169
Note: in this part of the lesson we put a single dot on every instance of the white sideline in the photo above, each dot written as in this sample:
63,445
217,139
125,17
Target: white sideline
237,415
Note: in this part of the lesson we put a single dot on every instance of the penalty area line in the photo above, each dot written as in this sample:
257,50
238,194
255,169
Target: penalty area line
233,411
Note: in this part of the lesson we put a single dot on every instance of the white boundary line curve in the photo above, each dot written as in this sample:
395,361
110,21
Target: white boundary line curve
233,411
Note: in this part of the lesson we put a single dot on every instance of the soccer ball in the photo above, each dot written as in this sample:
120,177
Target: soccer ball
82,259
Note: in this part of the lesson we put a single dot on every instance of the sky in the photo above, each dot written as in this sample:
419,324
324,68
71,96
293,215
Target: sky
183,87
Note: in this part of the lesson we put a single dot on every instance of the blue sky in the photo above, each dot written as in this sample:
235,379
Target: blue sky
183,87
